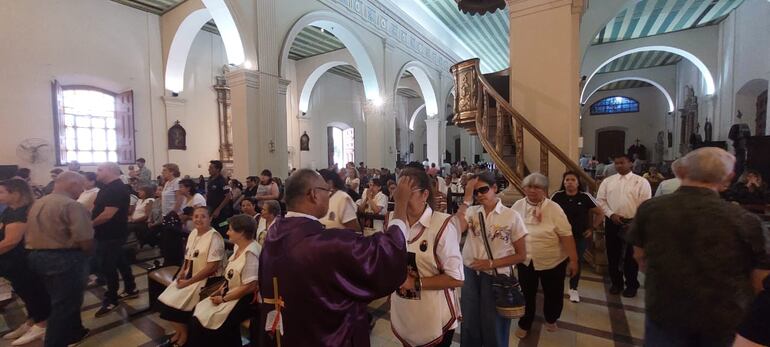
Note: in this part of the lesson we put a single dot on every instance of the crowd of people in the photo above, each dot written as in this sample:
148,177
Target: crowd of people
435,240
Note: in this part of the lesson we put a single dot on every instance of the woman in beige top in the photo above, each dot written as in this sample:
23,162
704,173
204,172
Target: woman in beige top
551,253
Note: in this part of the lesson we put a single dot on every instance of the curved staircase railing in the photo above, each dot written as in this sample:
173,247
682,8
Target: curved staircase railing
482,111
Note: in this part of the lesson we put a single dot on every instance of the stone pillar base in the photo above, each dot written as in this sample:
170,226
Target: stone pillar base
596,254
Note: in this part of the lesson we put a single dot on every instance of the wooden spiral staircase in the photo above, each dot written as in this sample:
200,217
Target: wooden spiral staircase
482,110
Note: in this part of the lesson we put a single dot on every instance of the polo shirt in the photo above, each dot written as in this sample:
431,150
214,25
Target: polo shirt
216,191
577,208
504,226
113,194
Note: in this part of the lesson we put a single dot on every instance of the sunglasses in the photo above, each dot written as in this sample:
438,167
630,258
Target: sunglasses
482,190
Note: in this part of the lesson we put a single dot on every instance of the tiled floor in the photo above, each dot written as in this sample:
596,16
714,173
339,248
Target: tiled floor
599,320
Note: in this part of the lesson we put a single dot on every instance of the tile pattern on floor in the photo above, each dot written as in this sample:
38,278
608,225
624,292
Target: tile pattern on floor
599,320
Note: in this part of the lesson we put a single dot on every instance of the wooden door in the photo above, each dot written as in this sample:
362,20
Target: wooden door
610,143
761,113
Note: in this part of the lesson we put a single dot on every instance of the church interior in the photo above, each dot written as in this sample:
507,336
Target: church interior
511,87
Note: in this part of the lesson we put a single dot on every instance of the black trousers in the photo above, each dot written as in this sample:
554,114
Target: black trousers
112,259
620,257
552,281
172,246
27,285
229,334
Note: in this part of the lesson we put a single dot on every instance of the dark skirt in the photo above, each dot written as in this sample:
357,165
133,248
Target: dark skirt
174,315
229,334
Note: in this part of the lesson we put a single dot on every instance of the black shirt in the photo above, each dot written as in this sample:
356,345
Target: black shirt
9,216
250,192
576,208
700,251
216,191
114,194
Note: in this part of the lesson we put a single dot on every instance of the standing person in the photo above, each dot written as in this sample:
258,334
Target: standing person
482,326
423,310
551,253
110,221
203,257
17,196
373,201
91,190
267,189
671,185
701,255
584,217
341,286
73,166
143,174
171,207
218,318
619,196
218,197
342,209
59,236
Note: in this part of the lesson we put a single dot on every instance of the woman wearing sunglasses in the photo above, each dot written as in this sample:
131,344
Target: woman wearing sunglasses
505,232
423,310
551,253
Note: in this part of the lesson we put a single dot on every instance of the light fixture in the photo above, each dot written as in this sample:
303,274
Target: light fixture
377,101
247,64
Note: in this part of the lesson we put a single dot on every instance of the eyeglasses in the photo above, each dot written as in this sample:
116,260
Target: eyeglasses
324,189
482,190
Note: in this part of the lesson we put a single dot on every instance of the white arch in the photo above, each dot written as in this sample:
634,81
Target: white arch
418,70
707,77
189,28
414,116
331,22
656,84
307,89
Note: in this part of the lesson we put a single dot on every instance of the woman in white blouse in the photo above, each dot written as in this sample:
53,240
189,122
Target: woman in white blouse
551,253
342,209
424,310
505,232
203,257
352,181
218,317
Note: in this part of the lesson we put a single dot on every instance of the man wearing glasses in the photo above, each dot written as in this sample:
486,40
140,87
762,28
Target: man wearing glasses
326,278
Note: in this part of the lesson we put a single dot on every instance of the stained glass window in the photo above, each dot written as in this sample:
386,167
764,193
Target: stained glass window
615,104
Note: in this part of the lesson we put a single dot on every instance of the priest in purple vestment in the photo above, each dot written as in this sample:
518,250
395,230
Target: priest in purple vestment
327,277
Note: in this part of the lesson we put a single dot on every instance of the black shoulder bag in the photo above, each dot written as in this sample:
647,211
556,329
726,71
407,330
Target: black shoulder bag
509,301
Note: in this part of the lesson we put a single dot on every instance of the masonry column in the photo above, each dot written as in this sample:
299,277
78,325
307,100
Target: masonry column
433,128
545,61
375,135
243,85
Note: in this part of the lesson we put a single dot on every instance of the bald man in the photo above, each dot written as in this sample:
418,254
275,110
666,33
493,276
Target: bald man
59,236
110,219
327,277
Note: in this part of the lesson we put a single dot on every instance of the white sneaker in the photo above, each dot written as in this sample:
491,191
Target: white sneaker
21,330
34,333
574,296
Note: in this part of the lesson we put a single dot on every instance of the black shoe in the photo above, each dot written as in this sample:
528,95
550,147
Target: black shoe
105,309
126,295
630,292
168,343
81,337
615,290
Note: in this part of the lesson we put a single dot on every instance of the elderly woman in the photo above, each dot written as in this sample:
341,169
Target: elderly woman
505,233
271,210
551,253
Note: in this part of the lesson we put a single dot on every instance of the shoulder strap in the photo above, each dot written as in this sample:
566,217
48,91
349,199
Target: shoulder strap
483,226
445,222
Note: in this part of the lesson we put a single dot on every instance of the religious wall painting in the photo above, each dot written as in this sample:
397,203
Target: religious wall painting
177,137
304,142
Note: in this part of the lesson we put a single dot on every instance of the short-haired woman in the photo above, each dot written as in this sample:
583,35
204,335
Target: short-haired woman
342,208
424,310
505,232
17,196
203,258
138,221
551,253
271,210
218,317
171,207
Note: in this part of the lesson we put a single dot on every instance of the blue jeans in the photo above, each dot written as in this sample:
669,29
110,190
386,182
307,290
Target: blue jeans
481,325
63,273
657,336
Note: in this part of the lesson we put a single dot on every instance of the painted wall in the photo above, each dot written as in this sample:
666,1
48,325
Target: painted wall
643,125
111,46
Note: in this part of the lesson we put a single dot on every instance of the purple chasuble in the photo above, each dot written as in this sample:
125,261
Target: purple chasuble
327,277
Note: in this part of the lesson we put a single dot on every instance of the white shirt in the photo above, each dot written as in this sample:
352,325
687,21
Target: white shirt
448,247
622,194
168,196
250,271
380,200
88,197
139,209
668,186
352,183
442,187
543,244
196,201
504,227
342,209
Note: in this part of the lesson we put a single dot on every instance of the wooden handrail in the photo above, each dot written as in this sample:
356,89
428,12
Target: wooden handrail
485,89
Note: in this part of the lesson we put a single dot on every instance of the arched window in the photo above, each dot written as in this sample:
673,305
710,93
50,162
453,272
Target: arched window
615,104
93,125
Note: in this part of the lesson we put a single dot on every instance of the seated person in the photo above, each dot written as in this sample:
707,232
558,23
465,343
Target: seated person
373,201
749,190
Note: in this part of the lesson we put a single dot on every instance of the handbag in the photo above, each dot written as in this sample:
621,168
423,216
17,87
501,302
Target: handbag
509,301
213,285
